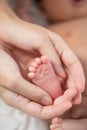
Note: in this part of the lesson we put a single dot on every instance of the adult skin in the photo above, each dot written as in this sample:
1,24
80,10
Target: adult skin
26,37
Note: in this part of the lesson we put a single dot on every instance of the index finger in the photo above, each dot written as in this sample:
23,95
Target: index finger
45,47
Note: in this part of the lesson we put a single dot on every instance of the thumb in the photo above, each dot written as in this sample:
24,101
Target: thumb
32,92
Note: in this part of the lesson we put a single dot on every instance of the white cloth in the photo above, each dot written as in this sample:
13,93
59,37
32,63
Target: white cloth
12,119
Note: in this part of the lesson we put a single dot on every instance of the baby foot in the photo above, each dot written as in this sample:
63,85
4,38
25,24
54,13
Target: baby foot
60,124
42,74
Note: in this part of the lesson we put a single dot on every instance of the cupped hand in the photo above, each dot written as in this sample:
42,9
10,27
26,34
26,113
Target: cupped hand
75,76
18,34
60,105
17,92
38,40
12,79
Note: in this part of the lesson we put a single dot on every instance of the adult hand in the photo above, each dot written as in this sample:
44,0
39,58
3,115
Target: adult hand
74,79
35,39
60,105
30,38
75,75
11,82
12,79
38,39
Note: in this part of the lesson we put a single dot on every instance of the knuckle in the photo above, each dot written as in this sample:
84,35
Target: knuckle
8,102
40,40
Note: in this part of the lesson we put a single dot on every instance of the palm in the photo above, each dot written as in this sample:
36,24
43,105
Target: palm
12,64
23,59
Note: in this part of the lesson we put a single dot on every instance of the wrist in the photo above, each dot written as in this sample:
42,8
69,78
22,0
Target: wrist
5,10
3,4
7,20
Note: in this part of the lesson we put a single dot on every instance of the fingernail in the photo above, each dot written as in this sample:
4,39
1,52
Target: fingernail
46,100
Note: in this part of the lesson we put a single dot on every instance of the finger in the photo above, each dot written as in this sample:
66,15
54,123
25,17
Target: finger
33,108
67,96
56,110
77,99
70,61
70,83
52,55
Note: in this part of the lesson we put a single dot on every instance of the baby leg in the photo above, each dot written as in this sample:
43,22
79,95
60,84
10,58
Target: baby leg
59,124
42,74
